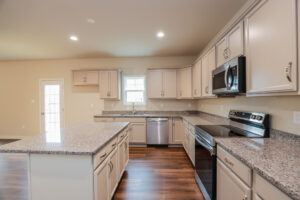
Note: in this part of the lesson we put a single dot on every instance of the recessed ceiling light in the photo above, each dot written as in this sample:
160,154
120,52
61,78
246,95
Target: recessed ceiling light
160,34
73,38
91,21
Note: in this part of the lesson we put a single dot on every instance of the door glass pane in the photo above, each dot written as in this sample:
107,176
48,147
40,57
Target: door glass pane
52,108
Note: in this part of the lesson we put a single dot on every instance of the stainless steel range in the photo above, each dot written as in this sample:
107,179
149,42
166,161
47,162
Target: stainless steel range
242,124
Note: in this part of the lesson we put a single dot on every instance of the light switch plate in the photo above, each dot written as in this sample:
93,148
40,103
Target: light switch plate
297,117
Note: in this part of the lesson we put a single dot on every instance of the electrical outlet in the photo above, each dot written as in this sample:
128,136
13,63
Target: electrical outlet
161,105
297,117
92,105
189,105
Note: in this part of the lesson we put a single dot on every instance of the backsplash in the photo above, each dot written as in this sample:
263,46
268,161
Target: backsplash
154,105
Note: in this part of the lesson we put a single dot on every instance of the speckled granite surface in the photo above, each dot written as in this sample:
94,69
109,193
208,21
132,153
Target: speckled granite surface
78,140
275,159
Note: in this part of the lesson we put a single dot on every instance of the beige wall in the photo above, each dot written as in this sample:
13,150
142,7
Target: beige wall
19,90
280,108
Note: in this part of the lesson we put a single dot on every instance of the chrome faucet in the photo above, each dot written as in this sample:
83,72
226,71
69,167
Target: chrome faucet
133,109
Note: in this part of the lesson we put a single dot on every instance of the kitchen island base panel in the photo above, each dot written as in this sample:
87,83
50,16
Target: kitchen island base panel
60,177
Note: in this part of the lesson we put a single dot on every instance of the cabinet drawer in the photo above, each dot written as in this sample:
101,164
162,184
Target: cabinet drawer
262,189
104,152
122,135
235,165
100,157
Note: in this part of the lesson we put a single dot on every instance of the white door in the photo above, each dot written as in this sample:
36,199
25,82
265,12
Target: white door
51,105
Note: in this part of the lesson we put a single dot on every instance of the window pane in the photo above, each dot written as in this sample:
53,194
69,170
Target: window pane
135,97
134,83
52,107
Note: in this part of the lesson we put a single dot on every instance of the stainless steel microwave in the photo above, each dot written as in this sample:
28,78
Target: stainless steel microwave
230,78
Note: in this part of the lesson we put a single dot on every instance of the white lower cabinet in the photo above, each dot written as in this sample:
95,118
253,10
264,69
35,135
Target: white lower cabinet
189,141
229,186
123,151
109,172
177,131
263,190
101,184
137,133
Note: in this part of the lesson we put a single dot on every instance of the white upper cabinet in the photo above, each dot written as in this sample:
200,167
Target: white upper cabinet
208,65
221,47
231,46
184,83
85,77
109,84
161,83
271,49
196,73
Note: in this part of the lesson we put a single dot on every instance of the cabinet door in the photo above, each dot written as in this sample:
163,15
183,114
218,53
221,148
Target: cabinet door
211,67
114,84
262,189
205,78
104,84
169,84
154,85
221,47
208,65
192,147
196,71
101,182
83,77
188,79
181,83
229,186
235,41
126,150
271,47
121,157
178,131
113,172
137,133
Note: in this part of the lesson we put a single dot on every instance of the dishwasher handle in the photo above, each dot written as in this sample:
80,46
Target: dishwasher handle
157,119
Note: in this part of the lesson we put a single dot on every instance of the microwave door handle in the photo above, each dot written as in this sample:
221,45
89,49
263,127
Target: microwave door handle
225,77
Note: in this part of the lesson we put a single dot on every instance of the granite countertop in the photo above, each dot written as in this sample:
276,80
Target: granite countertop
83,139
277,160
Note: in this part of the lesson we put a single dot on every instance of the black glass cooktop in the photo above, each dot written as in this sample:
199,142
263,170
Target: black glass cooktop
225,131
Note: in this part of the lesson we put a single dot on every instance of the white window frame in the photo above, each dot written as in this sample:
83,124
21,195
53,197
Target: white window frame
125,91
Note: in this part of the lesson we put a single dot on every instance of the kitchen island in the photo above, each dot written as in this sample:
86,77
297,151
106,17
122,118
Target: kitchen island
81,162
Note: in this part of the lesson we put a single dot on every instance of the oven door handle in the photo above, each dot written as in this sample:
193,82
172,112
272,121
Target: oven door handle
205,145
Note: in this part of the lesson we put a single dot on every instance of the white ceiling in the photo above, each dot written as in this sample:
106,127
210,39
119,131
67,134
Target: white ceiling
40,29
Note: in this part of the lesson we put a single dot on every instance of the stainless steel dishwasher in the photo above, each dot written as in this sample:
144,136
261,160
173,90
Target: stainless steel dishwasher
157,131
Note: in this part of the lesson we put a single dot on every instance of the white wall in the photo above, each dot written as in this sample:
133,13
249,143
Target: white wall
19,90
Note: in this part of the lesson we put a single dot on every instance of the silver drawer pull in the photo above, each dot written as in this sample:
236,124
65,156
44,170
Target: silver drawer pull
103,155
229,162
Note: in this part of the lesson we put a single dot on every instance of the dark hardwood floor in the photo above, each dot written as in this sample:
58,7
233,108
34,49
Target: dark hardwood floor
158,173
152,173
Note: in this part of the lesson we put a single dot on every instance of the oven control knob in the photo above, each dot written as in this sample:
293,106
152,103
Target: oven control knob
259,117
253,117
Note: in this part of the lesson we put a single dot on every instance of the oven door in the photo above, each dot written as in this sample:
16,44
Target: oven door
205,168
